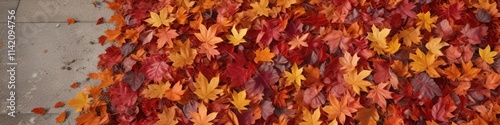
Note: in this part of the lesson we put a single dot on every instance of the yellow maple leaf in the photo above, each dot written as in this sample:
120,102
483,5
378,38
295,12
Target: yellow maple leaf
426,21
434,46
298,42
487,55
156,90
237,36
355,79
285,3
261,8
349,62
167,117
393,45
425,62
263,55
377,37
240,101
184,56
295,76
367,116
207,91
162,19
208,35
311,119
175,93
410,35
201,117
80,102
338,109
491,8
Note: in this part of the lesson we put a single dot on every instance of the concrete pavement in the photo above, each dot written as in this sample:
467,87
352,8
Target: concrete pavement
44,45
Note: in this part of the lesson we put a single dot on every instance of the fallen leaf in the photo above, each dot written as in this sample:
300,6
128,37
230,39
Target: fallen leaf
39,110
240,101
59,104
205,90
70,21
295,76
61,118
201,117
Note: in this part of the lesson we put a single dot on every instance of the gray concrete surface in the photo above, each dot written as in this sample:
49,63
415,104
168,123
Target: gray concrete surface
44,45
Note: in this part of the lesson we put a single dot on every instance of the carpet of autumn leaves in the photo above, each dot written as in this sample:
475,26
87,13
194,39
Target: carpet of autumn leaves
307,62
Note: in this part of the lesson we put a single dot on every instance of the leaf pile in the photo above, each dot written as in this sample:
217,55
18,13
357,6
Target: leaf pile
307,62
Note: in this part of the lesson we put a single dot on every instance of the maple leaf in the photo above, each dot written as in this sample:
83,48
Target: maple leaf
441,111
490,7
201,117
175,92
313,97
207,91
209,50
135,80
155,68
80,102
426,21
400,69
132,34
184,56
166,35
240,101
115,35
263,55
338,109
261,8
162,19
469,72
382,72
167,117
393,45
285,3
208,35
379,42
406,8
410,36
492,81
474,35
379,94
311,119
156,90
367,116
425,62
39,110
425,85
355,79
434,46
61,118
295,76
487,55
298,42
452,72
237,37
